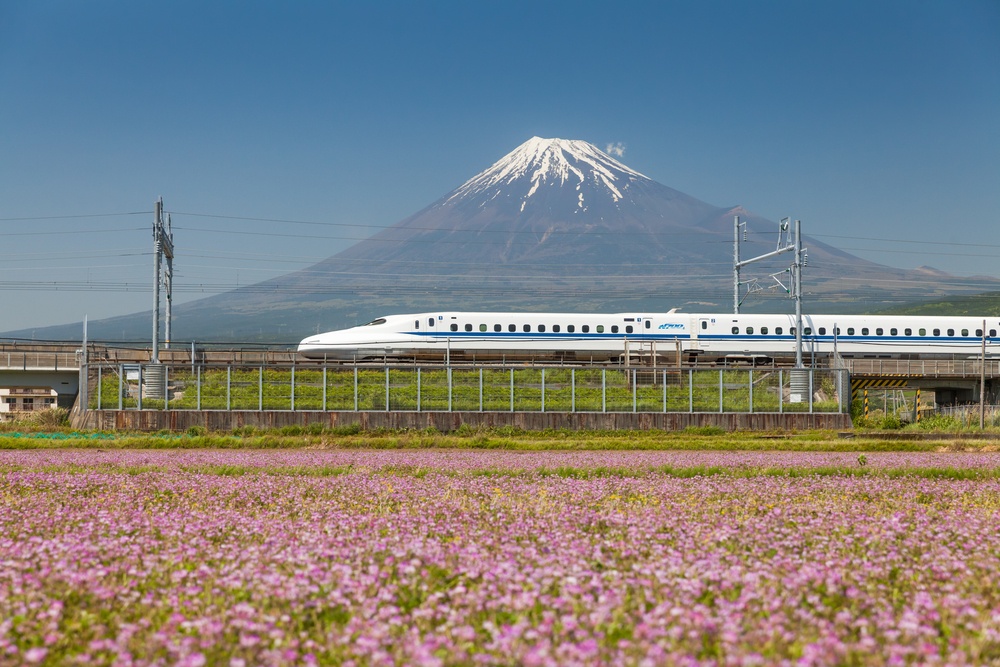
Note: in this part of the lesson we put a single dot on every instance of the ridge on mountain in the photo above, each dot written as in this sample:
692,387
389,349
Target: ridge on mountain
555,225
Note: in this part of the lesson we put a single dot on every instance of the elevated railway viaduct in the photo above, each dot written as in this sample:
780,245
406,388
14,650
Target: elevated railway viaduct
60,366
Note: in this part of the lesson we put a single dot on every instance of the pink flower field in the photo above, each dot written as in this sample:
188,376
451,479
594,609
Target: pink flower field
498,558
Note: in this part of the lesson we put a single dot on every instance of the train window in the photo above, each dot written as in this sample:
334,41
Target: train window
864,331
454,327
979,333
894,331
649,323
749,330
965,332
527,328
808,331
628,329
482,327
822,331
736,330
921,332
951,332
416,324
937,332
511,327
704,324
570,328
614,328
430,321
791,330
600,328
541,328
850,331
907,331
993,333
497,327
556,327
585,328
375,323
763,331
778,330
468,327
879,331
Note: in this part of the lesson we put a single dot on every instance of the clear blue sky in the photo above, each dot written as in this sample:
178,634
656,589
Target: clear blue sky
877,123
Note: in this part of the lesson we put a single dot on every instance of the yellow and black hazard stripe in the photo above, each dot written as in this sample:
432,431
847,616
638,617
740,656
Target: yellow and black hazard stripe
858,384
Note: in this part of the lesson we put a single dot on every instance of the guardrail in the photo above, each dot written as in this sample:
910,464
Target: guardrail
39,361
465,389
949,368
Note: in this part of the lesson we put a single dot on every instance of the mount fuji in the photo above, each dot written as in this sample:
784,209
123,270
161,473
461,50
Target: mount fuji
555,225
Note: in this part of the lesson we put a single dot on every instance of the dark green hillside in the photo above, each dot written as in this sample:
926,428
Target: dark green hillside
986,304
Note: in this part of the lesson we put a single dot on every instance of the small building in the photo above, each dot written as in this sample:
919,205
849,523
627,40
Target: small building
27,399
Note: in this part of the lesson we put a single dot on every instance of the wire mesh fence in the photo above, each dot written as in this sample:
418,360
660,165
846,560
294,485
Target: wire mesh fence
452,389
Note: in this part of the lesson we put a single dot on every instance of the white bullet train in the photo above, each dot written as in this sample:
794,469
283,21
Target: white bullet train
673,335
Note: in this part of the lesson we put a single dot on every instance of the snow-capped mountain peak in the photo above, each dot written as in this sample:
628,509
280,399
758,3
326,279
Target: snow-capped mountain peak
559,163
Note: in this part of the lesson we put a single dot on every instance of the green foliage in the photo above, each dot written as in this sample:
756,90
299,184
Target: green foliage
49,419
939,423
704,430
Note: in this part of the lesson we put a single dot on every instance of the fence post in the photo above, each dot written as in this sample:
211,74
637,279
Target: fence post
450,382
292,401
139,404
750,405
418,390
812,376
512,390
198,383
720,391
99,378
572,390
635,390
604,390
387,389
355,388
664,391
543,390
229,386
260,388
121,376
324,386
480,389
166,383
781,392
690,390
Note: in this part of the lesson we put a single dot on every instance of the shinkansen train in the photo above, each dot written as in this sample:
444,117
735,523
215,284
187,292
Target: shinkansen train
673,335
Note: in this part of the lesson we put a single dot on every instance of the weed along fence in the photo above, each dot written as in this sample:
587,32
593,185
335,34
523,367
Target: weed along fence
445,397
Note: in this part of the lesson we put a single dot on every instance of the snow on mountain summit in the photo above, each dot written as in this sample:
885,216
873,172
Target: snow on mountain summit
558,163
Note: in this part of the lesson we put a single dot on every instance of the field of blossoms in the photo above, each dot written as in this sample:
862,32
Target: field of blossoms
209,557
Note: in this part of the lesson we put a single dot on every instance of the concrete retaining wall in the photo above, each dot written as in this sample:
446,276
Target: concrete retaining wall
181,420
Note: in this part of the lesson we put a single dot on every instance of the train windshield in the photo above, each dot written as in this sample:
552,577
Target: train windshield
375,323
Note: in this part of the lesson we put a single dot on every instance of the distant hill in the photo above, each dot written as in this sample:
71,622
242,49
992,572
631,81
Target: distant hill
987,305
555,225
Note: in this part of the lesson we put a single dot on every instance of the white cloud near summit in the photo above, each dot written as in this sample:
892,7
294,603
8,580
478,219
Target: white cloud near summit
617,149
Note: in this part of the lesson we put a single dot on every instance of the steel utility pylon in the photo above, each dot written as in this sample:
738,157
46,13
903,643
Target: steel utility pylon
163,246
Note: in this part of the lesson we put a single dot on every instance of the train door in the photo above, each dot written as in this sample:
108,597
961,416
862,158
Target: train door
699,330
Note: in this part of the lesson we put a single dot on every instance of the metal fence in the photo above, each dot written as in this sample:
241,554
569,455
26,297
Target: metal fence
969,415
452,389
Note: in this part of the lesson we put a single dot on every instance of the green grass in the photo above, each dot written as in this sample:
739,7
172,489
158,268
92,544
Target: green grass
490,390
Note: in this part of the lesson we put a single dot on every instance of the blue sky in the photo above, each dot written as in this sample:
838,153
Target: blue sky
875,123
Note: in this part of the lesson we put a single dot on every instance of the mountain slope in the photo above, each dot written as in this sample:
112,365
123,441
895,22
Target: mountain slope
554,225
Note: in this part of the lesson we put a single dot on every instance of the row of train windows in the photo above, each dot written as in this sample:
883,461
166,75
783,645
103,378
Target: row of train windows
541,328
865,331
